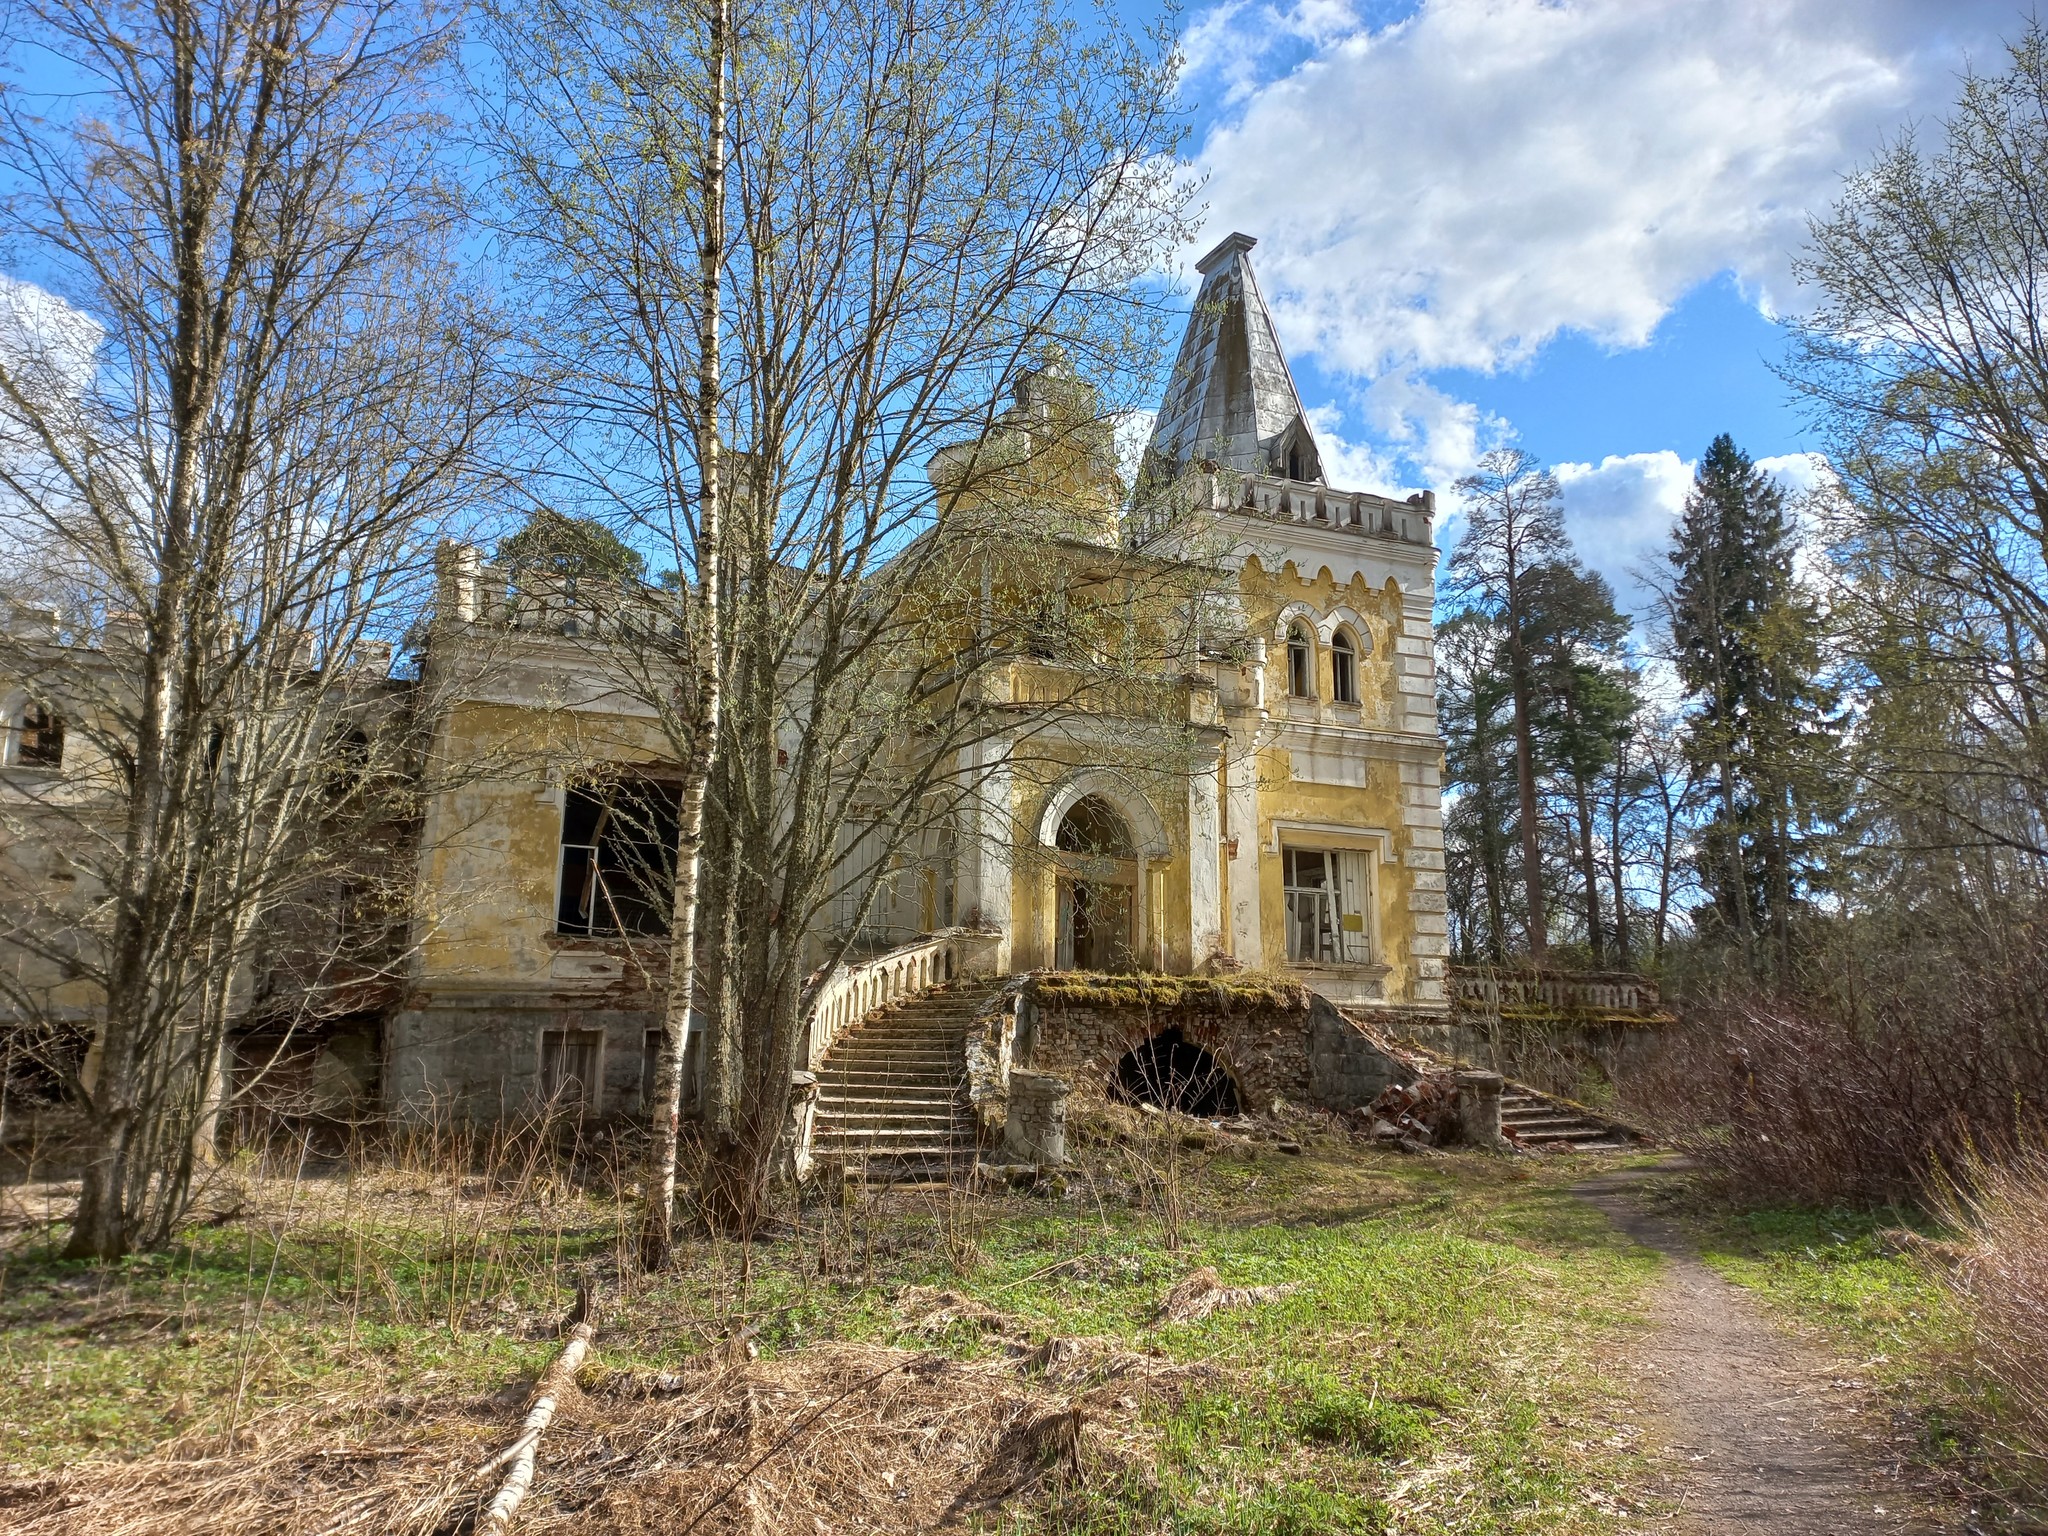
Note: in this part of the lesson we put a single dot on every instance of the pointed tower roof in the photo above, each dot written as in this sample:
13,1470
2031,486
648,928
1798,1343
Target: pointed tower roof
1232,398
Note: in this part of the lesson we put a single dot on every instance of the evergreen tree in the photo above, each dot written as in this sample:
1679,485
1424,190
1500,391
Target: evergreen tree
559,545
1746,640
1475,710
1585,699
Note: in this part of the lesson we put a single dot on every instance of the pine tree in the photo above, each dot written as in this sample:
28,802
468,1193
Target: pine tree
1585,699
1474,706
1746,640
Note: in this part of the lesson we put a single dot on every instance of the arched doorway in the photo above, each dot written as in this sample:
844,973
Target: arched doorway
1171,1071
1096,884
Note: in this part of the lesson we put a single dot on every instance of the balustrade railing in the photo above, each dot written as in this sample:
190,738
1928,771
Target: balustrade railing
853,991
1602,991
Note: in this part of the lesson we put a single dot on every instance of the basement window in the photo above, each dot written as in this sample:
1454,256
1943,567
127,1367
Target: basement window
618,859
569,1065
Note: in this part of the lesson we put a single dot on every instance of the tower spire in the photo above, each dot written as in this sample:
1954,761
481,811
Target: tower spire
1232,398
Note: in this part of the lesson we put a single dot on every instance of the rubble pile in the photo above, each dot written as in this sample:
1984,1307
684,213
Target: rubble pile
1420,1115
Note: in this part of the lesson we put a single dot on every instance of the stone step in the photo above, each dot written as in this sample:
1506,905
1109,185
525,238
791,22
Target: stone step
1582,1132
888,1093
908,1114
885,1139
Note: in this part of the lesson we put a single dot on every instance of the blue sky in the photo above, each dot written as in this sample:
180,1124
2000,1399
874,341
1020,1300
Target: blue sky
1567,224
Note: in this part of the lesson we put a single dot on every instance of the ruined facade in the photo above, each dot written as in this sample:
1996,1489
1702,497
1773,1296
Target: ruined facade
1305,840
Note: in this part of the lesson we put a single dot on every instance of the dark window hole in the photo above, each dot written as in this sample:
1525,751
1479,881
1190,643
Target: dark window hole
1174,1073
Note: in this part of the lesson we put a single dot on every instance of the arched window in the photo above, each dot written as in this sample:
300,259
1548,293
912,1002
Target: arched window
34,737
1092,826
1301,663
1344,667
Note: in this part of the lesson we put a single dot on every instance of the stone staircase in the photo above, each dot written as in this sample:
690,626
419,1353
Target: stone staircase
892,1091
1545,1124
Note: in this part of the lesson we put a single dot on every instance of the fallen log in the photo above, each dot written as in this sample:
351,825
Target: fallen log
547,1392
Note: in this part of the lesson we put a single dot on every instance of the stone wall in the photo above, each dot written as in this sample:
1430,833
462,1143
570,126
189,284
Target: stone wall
481,1061
1277,1043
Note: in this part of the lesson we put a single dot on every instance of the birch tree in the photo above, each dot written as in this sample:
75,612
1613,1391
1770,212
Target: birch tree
916,204
247,394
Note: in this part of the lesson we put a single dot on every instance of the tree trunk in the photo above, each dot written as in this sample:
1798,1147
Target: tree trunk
1589,870
657,1227
1622,946
1525,789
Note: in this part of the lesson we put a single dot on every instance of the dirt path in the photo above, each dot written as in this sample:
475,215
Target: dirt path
1753,1444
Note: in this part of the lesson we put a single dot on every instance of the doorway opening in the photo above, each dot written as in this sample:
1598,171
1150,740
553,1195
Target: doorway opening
1172,1072
1096,889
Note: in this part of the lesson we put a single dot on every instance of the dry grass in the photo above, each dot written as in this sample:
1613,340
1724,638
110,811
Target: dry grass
1999,1275
824,1439
349,1352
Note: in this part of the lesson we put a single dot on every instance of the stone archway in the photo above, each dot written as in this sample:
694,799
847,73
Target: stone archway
1171,1071
1099,835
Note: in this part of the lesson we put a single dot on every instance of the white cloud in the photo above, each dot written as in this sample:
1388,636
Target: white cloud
1458,187
1620,512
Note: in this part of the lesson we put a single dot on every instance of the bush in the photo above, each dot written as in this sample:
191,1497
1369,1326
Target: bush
1796,1100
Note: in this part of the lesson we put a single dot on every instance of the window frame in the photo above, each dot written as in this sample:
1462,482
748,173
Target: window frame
591,1100
1301,661
603,791
25,713
1338,943
1344,653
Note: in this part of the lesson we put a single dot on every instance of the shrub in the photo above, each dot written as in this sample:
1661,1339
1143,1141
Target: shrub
1796,1100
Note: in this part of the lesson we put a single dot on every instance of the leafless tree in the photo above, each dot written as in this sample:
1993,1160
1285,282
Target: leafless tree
247,396
914,207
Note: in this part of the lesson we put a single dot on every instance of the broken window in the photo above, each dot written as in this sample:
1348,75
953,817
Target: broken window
1327,893
569,1060
35,738
618,859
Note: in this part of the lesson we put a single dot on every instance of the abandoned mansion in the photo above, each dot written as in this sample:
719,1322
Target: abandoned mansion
1304,846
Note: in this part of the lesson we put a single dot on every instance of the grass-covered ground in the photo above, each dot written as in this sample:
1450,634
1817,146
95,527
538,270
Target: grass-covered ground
1437,1365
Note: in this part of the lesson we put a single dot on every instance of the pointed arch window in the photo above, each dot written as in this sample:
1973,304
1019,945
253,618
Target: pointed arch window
32,736
1344,667
1301,662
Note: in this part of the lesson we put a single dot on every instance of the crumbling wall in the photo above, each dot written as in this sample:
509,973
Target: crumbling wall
1277,1042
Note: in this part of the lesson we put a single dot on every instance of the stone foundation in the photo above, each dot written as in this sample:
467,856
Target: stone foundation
1278,1044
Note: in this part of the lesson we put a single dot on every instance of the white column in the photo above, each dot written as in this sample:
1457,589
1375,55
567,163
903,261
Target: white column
1205,852
985,856
1247,941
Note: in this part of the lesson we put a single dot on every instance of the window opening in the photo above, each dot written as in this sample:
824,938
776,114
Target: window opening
568,1068
618,859
1343,668
1092,826
1301,680
36,739
1171,1071
1326,894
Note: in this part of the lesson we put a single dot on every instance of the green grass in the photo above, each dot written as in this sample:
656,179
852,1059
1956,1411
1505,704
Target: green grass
1438,1367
